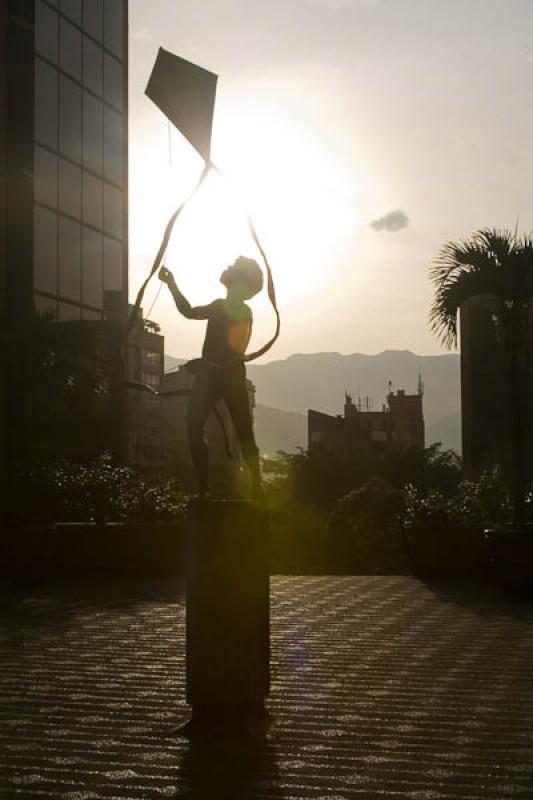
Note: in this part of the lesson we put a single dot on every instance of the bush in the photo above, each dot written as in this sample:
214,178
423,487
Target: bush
363,529
99,491
485,501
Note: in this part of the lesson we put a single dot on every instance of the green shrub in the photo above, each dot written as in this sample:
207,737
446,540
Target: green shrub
485,501
98,491
363,529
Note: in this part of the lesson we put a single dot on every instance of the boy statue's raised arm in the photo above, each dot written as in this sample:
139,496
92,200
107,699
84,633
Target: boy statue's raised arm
182,304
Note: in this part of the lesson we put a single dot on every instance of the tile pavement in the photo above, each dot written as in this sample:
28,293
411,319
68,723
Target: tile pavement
383,687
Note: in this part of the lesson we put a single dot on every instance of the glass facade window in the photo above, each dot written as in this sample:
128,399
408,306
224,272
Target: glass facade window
69,188
87,313
112,265
68,312
113,211
150,379
93,66
45,306
113,146
92,268
72,9
45,176
93,18
93,133
151,358
46,31
113,27
69,119
45,104
93,200
70,49
69,259
112,81
45,250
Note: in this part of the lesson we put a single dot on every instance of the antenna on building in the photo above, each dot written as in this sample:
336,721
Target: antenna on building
420,383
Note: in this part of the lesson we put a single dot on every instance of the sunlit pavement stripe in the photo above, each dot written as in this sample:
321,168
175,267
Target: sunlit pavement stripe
382,688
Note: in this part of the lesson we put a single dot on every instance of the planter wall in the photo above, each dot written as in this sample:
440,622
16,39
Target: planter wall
445,549
71,550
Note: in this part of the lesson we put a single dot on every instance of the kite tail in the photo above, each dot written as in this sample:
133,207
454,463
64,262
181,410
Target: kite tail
271,294
270,288
134,316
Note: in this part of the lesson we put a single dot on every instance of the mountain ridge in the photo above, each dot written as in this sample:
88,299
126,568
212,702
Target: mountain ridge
319,380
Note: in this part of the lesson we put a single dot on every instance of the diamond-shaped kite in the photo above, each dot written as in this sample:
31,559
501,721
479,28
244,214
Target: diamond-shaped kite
185,93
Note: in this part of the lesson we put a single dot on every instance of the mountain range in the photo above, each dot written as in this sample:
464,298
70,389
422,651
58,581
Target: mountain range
286,389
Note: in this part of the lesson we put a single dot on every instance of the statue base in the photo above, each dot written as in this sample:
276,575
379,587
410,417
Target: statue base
227,615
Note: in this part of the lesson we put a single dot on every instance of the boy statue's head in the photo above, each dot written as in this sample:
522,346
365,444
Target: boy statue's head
244,277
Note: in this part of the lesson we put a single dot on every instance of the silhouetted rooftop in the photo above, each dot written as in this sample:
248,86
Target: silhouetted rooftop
383,687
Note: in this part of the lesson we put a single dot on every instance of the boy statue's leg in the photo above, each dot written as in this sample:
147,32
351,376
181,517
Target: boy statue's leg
236,398
201,401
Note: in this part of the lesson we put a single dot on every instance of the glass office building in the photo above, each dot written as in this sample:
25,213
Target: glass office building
79,156
63,182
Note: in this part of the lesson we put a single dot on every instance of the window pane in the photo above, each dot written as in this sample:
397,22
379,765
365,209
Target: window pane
69,258
69,188
70,49
112,81
93,18
72,9
93,268
113,26
151,358
68,312
45,176
69,119
113,211
45,103
45,306
45,250
92,315
93,133
93,200
112,146
46,31
92,66
112,265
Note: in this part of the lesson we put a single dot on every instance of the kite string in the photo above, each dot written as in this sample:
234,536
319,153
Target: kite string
133,319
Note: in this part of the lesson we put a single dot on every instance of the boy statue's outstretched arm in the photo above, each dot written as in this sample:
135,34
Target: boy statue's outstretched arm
182,304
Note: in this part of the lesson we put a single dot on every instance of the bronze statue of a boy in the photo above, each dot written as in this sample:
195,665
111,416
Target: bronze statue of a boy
220,373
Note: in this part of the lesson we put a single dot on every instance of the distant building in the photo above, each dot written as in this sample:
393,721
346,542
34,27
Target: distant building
486,392
63,183
400,422
146,355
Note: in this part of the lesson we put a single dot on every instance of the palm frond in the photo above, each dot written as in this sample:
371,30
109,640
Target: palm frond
489,262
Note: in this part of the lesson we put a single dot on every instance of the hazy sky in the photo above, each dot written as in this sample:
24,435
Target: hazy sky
361,134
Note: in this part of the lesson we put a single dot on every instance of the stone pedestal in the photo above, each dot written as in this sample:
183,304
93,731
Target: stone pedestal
227,594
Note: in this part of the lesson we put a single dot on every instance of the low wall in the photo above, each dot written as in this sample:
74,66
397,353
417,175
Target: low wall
72,550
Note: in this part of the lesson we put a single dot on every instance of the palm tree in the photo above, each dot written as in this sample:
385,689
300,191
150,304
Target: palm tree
500,264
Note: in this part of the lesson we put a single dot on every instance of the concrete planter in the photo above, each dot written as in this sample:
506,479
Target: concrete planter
510,558
444,549
67,550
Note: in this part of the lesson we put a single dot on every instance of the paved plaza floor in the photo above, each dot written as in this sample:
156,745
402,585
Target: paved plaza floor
382,687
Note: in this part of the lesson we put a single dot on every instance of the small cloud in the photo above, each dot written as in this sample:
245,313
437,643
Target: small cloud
143,35
393,221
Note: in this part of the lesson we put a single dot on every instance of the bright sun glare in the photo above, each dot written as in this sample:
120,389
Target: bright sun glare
288,183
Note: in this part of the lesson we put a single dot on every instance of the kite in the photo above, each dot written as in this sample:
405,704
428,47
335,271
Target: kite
186,93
